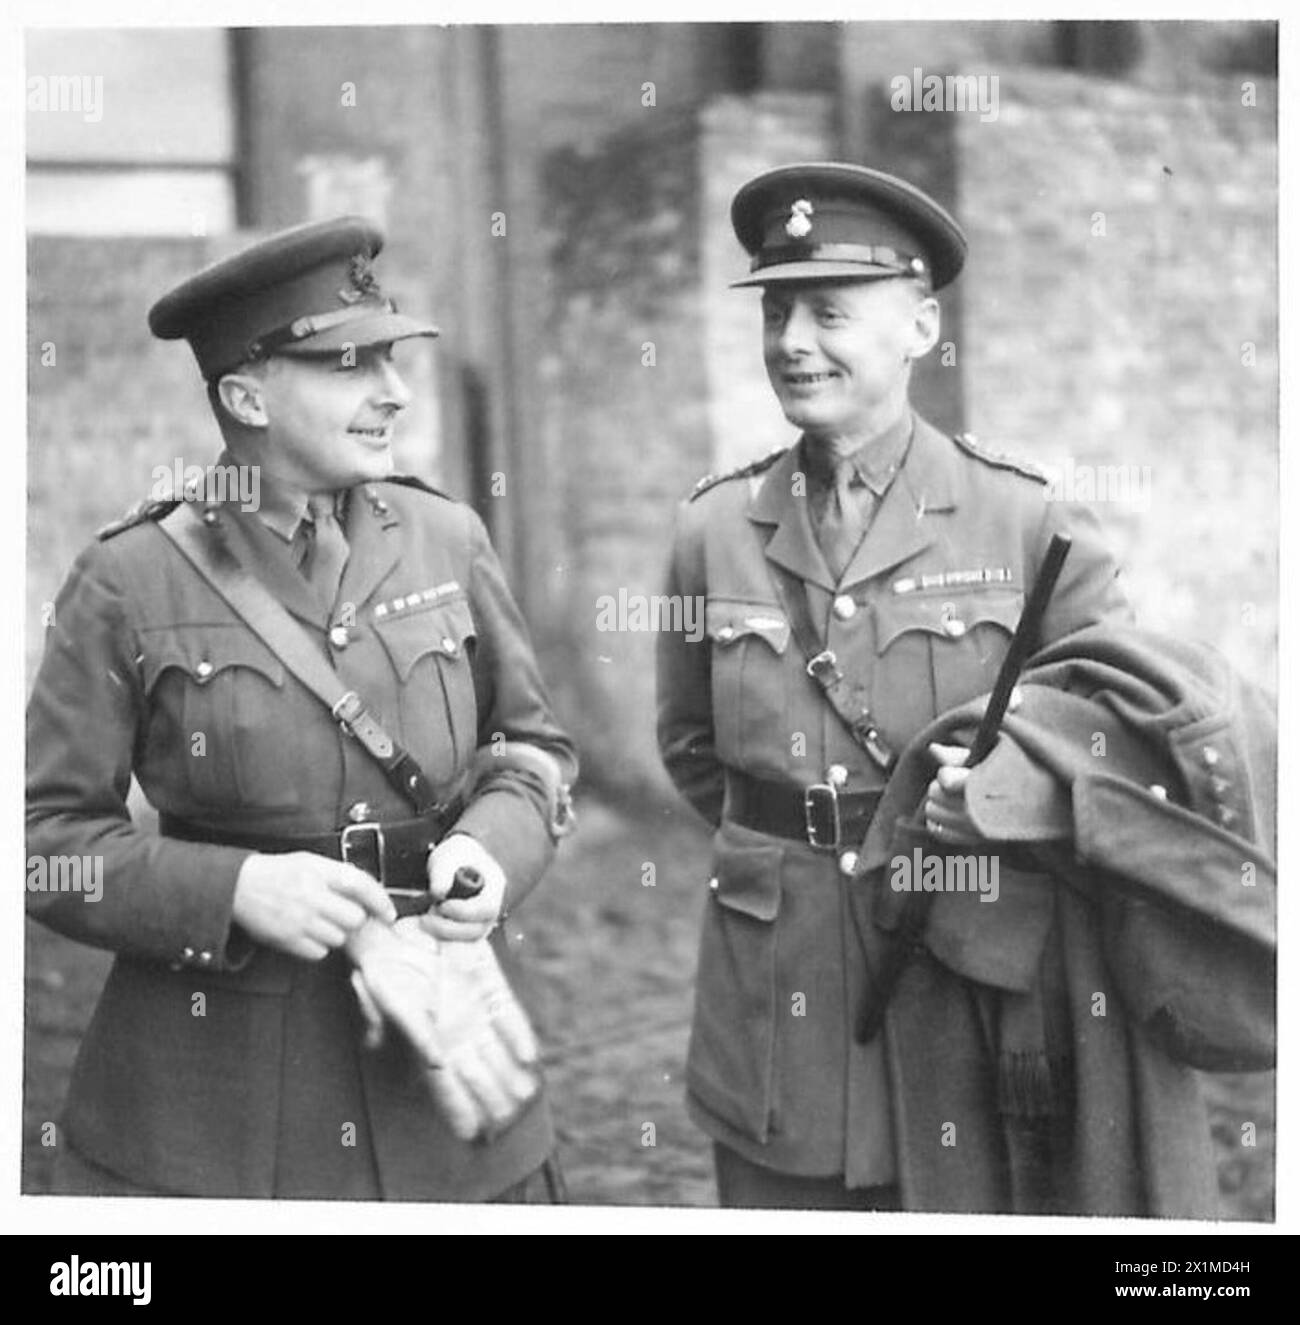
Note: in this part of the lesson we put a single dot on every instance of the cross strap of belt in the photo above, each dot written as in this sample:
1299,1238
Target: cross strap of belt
270,621
848,700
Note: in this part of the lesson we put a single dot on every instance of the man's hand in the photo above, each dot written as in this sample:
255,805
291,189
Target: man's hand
305,904
470,918
946,817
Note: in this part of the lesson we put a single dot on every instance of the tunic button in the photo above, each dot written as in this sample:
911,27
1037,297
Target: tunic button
727,633
205,957
339,637
1226,816
187,954
837,775
844,607
955,626
1219,786
209,517
359,812
449,646
1157,790
203,670
848,862
713,885
1210,755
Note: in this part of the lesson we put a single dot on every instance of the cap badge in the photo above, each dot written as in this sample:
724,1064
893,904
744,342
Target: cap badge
799,225
364,284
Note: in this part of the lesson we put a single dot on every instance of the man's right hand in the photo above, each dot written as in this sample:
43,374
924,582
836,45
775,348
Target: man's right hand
305,904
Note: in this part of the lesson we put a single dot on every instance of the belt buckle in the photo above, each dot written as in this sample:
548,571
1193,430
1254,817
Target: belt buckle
349,834
821,806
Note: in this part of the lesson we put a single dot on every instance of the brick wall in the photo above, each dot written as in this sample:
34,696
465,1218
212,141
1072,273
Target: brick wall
1126,348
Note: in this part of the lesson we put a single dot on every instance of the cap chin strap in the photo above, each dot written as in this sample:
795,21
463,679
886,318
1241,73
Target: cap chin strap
313,324
300,329
874,255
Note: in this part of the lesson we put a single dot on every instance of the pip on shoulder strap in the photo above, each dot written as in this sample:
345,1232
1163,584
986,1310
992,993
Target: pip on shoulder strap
270,621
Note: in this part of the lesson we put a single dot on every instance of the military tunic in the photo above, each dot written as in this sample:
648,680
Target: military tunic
260,1087
922,616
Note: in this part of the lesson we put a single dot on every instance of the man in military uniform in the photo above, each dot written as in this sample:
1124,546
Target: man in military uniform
188,648
855,585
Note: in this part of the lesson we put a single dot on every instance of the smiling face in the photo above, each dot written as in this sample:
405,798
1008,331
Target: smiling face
839,353
322,425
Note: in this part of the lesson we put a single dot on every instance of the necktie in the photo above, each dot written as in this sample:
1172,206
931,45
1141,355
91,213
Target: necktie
843,520
327,548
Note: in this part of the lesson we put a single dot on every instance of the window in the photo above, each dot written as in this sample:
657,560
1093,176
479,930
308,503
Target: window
130,132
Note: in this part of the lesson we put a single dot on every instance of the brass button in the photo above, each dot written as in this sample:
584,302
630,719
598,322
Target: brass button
713,885
187,954
1210,755
359,812
848,862
339,637
1158,791
954,626
727,633
449,646
1218,786
844,607
203,670
837,775
1227,816
205,957
209,518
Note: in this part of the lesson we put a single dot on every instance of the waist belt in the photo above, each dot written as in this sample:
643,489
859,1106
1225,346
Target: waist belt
394,853
821,815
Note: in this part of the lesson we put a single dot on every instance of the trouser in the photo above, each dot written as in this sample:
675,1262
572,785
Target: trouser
744,1184
75,1175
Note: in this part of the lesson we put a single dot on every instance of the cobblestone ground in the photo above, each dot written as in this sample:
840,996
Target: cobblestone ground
609,963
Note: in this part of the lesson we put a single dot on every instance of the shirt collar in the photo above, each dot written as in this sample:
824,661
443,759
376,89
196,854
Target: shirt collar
280,511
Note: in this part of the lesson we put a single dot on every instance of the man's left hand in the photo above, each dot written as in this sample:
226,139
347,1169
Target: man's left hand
946,816
470,918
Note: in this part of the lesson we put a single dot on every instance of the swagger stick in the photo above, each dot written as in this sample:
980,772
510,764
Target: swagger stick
1026,636
916,908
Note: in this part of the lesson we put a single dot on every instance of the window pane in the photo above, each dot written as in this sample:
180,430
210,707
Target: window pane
163,95
130,202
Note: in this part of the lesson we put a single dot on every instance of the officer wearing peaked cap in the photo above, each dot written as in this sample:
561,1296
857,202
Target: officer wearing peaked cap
856,585
199,645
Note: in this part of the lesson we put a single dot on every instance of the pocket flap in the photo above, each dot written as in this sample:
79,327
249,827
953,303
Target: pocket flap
446,630
203,651
728,621
749,879
946,613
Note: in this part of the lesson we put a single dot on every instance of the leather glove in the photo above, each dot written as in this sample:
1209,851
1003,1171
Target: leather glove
454,1007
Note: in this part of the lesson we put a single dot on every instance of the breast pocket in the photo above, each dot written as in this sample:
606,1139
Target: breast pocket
432,651
751,691
935,650
217,692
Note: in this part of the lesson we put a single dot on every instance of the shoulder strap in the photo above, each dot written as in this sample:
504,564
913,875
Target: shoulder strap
847,699
270,621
